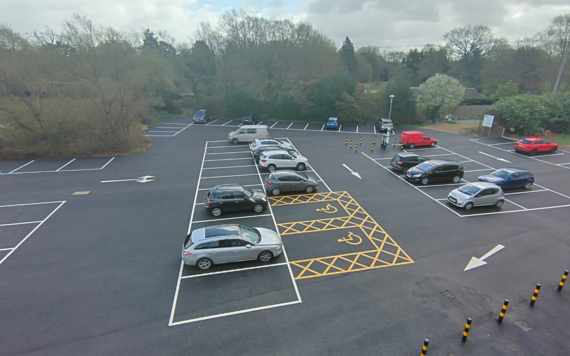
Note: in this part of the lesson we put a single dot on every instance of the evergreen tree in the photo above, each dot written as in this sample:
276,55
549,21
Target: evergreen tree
348,57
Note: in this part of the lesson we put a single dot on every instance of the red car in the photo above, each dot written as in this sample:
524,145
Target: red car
532,145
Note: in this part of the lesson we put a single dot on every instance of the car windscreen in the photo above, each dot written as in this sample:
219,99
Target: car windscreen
426,166
270,177
250,234
501,174
248,192
469,189
333,119
303,175
398,158
200,113
525,141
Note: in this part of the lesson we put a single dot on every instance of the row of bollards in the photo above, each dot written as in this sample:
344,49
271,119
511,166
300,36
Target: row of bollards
384,145
502,313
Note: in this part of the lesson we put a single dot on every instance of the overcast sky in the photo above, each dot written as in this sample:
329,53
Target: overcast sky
389,24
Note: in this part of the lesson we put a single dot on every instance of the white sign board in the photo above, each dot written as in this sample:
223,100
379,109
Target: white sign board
488,121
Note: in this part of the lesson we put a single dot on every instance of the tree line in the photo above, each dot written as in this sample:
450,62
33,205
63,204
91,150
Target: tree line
86,89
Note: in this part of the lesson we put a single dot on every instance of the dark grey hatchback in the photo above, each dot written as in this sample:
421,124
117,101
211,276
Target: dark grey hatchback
290,181
405,160
436,171
234,197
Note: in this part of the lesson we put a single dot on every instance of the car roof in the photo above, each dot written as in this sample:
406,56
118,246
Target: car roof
333,118
532,138
224,187
216,231
386,120
407,154
483,185
513,169
279,151
441,161
283,173
413,132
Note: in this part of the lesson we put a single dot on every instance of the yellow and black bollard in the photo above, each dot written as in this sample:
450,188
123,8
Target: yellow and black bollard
356,151
360,141
466,331
395,142
374,139
534,295
372,148
346,141
402,146
564,276
351,144
425,347
503,311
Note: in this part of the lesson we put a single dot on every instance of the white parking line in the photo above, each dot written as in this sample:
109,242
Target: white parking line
234,270
356,128
502,143
250,165
436,185
243,185
174,123
235,175
480,170
289,125
323,127
183,129
229,153
226,159
512,202
211,122
6,249
21,167
306,127
234,147
162,131
234,218
530,191
57,170
375,129
339,128
22,223
109,161
227,123
274,124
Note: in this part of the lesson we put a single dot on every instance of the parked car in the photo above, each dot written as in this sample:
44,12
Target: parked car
219,244
332,123
273,160
248,134
266,142
384,125
405,160
250,120
257,153
225,198
509,178
533,145
201,117
436,171
477,194
289,181
412,139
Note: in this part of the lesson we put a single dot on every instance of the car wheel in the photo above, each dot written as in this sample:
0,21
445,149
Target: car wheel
265,256
216,211
301,167
204,263
456,179
469,206
271,168
533,152
432,144
258,208
412,145
424,181
309,189
275,191
527,185
405,170
500,203
553,149
235,141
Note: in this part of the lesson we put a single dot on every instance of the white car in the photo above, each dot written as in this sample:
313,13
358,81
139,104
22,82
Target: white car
267,142
273,160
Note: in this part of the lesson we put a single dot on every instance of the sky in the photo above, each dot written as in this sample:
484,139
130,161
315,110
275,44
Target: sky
392,25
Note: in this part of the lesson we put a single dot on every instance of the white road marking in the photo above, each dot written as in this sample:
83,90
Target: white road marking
32,161
480,170
227,123
6,249
375,129
512,202
250,165
235,175
518,211
225,219
211,122
530,191
243,185
57,170
478,262
22,223
306,127
323,127
234,270
164,131
226,159
289,126
174,123
562,164
228,153
339,128
352,172
498,158
502,143
183,129
105,165
274,124
159,135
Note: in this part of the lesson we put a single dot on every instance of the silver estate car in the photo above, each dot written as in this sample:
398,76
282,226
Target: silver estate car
289,181
218,244
477,194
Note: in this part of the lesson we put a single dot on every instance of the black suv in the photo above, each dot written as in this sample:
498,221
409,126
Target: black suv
234,197
405,160
436,171
202,117
250,120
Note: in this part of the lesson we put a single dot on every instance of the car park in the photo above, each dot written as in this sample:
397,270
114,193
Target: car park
257,153
201,117
248,134
436,171
250,120
534,145
219,244
477,194
509,178
414,139
289,181
260,143
273,160
225,198
403,161
384,125
332,123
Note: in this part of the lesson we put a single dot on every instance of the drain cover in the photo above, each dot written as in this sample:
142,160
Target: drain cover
523,326
448,294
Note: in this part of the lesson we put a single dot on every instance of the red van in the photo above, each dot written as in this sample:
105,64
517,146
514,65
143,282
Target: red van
412,139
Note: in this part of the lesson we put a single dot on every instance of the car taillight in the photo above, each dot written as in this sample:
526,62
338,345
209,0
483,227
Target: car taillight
269,183
462,170
186,253
263,160
400,163
253,145
207,203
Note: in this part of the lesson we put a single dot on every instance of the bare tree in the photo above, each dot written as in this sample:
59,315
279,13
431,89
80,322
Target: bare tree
559,32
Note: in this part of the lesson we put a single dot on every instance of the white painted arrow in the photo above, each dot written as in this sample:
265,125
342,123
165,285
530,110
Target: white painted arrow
478,262
500,159
143,179
351,172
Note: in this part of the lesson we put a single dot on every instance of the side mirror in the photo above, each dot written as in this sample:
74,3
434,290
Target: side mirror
248,246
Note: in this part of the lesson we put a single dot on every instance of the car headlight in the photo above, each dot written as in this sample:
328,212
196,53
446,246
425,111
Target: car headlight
264,199
417,175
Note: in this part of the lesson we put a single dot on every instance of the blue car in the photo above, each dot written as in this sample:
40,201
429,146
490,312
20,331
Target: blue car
332,123
509,178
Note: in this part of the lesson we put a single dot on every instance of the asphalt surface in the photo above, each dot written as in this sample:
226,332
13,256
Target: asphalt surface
371,266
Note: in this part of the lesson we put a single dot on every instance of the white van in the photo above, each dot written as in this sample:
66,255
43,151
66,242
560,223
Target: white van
248,133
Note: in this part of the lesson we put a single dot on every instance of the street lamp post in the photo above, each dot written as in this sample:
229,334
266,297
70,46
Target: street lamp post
390,114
